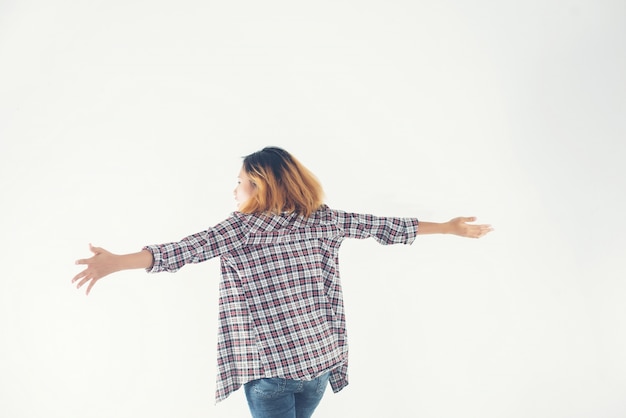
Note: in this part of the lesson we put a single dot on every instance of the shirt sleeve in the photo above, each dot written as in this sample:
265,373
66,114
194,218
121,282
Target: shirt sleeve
220,239
385,230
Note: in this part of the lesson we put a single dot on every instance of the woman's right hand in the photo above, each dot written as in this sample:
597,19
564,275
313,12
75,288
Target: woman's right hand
459,226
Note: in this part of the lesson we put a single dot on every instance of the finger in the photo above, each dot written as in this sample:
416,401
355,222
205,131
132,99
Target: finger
83,281
93,282
484,230
487,228
79,275
94,250
469,219
475,231
80,283
83,261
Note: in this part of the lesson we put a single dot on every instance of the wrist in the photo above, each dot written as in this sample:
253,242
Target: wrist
435,228
141,259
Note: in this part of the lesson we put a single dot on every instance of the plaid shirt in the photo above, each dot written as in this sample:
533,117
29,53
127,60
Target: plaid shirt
281,308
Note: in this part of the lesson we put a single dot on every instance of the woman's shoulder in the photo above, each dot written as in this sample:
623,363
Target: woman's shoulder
257,222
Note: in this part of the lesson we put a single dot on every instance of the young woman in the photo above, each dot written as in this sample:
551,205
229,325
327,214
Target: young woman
281,317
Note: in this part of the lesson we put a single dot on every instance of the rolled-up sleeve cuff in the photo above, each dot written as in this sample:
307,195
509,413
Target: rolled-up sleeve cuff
156,256
412,225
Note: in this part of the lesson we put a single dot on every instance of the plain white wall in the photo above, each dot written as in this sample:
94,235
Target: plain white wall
122,123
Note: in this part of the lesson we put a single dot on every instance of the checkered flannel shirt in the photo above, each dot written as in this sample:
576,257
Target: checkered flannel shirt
281,310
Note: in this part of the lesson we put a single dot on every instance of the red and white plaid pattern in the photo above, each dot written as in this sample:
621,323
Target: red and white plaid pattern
281,308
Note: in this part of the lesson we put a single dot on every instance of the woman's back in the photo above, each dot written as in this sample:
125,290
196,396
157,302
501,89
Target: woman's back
281,306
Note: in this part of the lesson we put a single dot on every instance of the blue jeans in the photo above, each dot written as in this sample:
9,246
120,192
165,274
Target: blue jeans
284,398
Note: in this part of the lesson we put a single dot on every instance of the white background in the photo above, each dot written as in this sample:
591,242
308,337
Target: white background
123,123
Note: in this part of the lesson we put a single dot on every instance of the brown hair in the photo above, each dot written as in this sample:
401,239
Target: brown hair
281,183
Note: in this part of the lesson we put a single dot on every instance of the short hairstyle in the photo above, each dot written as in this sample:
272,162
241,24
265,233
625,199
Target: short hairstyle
281,183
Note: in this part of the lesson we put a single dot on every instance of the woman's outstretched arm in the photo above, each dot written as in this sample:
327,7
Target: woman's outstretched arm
104,263
457,226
